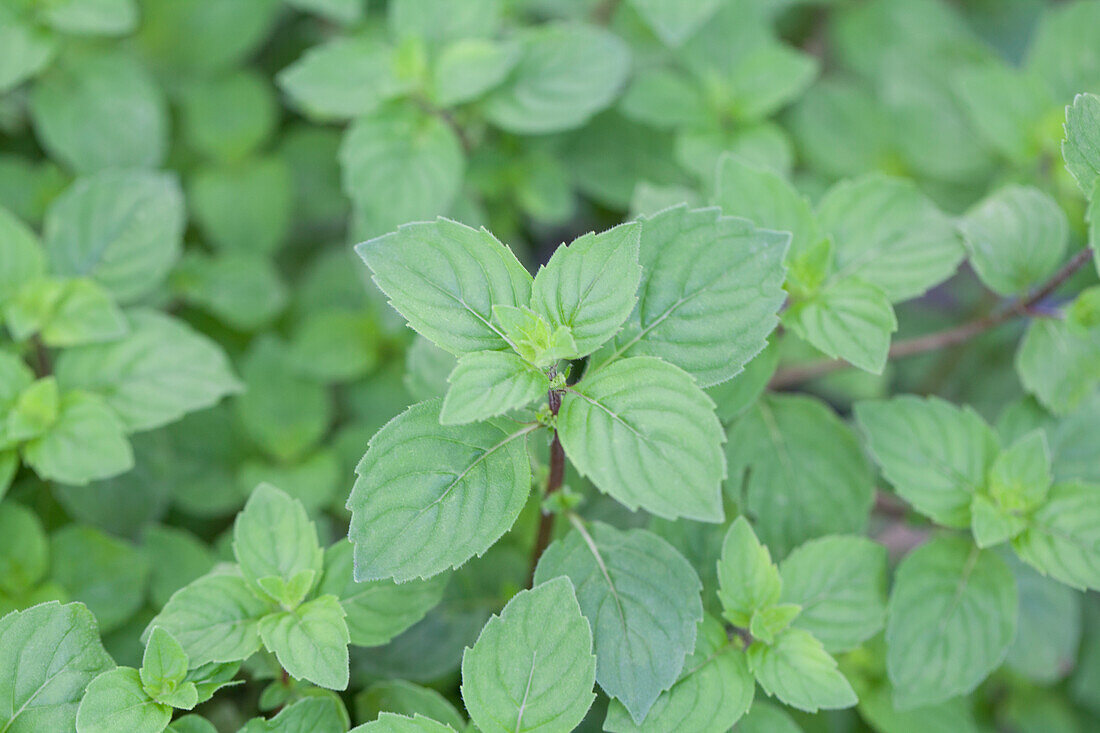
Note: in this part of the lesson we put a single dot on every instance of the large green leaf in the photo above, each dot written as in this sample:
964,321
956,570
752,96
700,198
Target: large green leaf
86,443
24,554
1048,634
525,674
640,597
950,621
1081,148
645,434
311,641
428,497
48,655
1062,538
807,476
115,701
107,574
343,78
1059,363
445,278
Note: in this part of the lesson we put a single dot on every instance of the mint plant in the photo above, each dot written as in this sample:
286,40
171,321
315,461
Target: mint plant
614,365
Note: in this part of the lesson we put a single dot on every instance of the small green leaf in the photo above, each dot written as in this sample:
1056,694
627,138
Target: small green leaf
228,116
641,599
406,698
273,536
214,618
34,411
22,259
392,723
1059,363
590,286
524,674
766,623
950,621
1081,148
25,48
241,289
471,67
85,443
428,497
748,579
445,278
164,664
935,454
93,17
115,702
531,336
675,22
848,319
1062,538
243,206
1021,474
645,434
486,384
311,642
991,524
343,78
24,553
797,670
309,715
83,314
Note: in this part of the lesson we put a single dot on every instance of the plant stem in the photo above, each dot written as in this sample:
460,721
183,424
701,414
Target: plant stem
553,483
1019,308
43,365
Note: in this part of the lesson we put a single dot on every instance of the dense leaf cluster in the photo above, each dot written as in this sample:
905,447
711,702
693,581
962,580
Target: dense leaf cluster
546,365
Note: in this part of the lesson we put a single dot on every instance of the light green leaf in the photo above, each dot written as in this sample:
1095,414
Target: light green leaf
531,336
1005,105
107,574
376,610
243,206
391,723
164,664
83,314
748,580
1059,363
590,286
765,717
646,435
1081,148
273,536
191,724
311,642
525,675
1049,630
176,557
25,48
406,698
674,21
1016,238
766,78
640,597
992,524
313,480
886,232
935,454
807,475
713,692
343,78
439,21
797,670
950,621
1059,49
156,374
34,411
1062,538
485,384
115,701
767,199
470,67
445,278
124,229
767,623
92,17
551,88
710,288
429,497
666,98
85,443
214,618
1021,474
22,259
876,707
840,583
242,290
309,715
48,655
736,395
95,111
336,344
228,116
849,319
24,554
842,128
400,165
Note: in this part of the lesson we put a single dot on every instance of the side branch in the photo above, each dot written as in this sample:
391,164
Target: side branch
1018,308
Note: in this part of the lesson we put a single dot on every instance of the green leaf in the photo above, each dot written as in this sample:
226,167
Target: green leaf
485,384
1005,105
156,374
842,129
664,98
309,715
242,290
992,524
767,718
48,655
1062,538
531,336
646,435
273,536
311,642
748,580
767,76
343,78
950,621
92,17
108,574
523,674
85,443
1015,238
736,395
406,698
1081,148
376,610
391,723
1021,475
710,288
1048,633
244,206
95,111
228,116
798,671
24,554
445,278
807,475
552,89
713,692
399,165
164,664
33,411
767,623
429,497
84,314
590,285
439,21
935,454
22,259
640,597
887,233
848,319
336,345
1059,363
469,67
214,618
25,48
840,583
191,724
675,22
115,701
176,557
123,229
